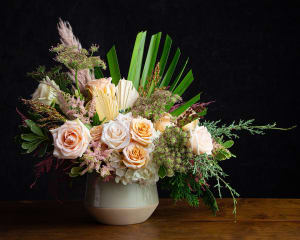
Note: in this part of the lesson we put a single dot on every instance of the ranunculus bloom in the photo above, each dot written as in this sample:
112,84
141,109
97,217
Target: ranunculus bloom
141,131
135,156
190,126
70,140
115,134
96,132
45,93
163,122
201,141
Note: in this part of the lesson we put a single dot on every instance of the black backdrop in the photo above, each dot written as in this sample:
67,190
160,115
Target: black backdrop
244,55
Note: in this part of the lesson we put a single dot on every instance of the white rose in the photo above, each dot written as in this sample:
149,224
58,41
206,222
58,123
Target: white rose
125,118
190,126
45,93
115,134
201,141
70,140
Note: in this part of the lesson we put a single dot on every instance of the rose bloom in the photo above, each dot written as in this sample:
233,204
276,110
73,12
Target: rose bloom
45,93
135,156
115,134
125,118
141,131
163,122
70,140
99,83
191,126
201,141
96,132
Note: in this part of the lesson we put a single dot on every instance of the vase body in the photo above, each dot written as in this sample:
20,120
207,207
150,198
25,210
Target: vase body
117,204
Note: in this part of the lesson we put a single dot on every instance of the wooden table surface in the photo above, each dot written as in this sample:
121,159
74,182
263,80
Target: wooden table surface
256,219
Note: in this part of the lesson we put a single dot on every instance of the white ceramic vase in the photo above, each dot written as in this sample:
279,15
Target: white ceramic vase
117,204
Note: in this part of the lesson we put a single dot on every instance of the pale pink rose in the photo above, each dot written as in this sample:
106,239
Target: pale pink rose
70,140
135,156
163,122
201,141
190,126
141,131
115,134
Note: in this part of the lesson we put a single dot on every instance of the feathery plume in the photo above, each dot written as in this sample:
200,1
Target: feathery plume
66,34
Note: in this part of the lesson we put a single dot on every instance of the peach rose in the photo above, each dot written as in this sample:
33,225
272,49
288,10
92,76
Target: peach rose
115,134
141,131
96,132
191,126
70,140
163,122
101,83
201,141
135,156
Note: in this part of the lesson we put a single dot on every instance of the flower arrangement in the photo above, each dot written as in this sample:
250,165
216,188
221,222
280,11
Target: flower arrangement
133,130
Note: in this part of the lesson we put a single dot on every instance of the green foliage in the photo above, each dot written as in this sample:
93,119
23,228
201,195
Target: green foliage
36,138
75,171
95,120
168,76
185,187
113,65
150,59
209,169
162,172
98,73
210,200
134,72
247,125
185,106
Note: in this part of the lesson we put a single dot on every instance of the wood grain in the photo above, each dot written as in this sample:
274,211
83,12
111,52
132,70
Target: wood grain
256,219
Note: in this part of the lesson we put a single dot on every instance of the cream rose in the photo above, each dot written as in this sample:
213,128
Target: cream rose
163,122
190,126
125,118
135,156
45,93
141,131
201,141
115,134
70,140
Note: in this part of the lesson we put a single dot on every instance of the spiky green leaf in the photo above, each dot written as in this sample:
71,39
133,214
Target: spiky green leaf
184,84
150,59
168,76
165,54
135,67
175,82
113,65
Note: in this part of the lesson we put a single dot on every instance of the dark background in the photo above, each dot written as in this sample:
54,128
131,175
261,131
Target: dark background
244,55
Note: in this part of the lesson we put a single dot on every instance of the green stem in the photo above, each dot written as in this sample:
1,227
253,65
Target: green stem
76,80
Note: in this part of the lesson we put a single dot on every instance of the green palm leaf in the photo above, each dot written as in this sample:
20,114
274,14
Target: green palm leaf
113,65
134,72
